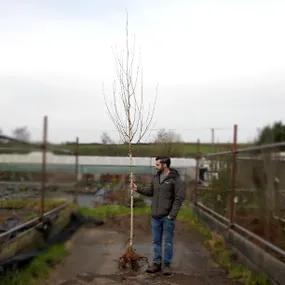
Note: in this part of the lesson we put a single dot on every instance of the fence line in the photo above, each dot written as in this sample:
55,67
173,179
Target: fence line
44,146
258,214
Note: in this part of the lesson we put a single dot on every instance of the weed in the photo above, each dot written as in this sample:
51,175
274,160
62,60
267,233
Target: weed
38,269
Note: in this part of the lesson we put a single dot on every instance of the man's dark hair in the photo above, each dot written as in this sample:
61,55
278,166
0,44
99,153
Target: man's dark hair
164,159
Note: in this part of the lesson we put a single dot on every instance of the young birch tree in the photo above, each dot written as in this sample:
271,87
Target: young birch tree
127,109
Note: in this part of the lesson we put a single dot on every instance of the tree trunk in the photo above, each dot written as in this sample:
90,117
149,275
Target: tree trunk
132,195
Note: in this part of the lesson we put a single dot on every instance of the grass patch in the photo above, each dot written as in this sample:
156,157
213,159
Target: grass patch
220,252
31,204
224,257
109,211
38,269
187,215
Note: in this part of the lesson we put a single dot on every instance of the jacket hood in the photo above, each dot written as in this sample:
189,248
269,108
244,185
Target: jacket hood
172,174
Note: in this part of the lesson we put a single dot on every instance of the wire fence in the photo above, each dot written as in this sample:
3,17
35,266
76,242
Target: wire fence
243,187
24,188
247,188
37,176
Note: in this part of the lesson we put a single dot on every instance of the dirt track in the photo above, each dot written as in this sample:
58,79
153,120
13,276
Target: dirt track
95,252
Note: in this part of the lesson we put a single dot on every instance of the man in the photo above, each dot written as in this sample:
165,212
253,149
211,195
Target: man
168,194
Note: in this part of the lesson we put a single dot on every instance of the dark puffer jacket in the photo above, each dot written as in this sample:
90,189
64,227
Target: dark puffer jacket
167,195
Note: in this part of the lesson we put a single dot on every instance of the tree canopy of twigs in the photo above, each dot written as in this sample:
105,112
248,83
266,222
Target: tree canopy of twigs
127,108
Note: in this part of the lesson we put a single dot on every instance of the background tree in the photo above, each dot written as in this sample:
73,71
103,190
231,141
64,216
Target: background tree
21,133
127,108
270,134
166,142
169,136
105,138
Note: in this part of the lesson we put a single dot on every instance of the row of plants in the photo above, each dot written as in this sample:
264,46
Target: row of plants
147,149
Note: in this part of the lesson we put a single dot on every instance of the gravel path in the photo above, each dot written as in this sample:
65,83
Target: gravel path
94,254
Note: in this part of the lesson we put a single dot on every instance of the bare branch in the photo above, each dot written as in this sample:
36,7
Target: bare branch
127,110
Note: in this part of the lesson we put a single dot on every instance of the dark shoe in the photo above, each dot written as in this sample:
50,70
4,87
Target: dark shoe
167,270
153,268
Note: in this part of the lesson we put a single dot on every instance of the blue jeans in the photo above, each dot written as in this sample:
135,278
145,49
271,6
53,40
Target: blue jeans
162,231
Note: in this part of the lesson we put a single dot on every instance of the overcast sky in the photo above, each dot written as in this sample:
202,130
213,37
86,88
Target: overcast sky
217,63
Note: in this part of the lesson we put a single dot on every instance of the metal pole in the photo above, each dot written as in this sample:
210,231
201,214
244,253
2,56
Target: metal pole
233,176
213,162
76,170
213,138
196,172
44,174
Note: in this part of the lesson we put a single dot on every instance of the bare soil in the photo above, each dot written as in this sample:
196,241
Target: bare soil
95,252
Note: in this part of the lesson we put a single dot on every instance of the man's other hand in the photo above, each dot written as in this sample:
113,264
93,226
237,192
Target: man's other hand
135,187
